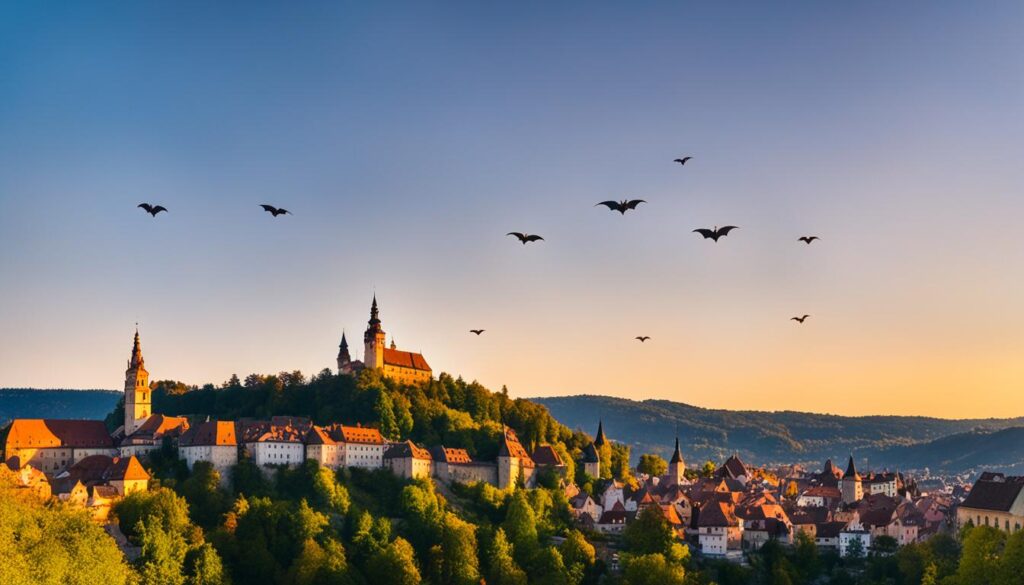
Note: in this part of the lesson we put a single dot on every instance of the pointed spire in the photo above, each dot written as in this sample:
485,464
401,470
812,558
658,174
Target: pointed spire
600,440
393,344
851,470
137,359
344,342
677,457
374,313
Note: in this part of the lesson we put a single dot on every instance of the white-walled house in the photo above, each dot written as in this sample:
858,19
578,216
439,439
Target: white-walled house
718,528
323,445
271,444
212,441
407,460
364,447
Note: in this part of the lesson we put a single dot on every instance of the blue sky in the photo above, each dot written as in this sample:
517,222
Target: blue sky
408,138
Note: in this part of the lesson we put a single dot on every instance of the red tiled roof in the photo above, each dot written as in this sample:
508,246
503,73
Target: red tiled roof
546,455
361,435
91,468
716,513
210,433
159,424
406,449
405,359
125,469
36,433
511,447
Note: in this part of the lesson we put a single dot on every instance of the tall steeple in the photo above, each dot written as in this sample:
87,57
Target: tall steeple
373,339
137,400
677,467
600,440
344,358
676,455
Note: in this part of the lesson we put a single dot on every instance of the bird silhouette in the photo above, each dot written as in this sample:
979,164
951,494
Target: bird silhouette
525,238
477,331
799,319
715,233
622,206
642,338
682,161
807,239
152,209
275,211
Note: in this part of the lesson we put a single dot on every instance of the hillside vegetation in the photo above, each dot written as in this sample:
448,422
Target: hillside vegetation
35,403
790,437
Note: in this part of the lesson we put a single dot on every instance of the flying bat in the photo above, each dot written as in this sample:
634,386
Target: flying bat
682,161
275,211
477,331
807,239
152,209
642,338
715,233
622,206
799,319
525,238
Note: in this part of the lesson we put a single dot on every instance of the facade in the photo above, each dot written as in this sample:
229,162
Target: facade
137,397
455,465
364,447
53,445
210,441
407,460
323,445
848,536
718,528
272,443
995,500
402,366
151,434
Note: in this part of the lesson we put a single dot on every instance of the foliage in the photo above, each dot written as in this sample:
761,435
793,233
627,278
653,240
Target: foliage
652,464
652,569
502,568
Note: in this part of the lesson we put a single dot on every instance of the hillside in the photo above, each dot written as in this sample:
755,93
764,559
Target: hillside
770,437
36,403
1001,450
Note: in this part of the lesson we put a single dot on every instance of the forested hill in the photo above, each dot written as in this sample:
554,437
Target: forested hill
784,437
36,403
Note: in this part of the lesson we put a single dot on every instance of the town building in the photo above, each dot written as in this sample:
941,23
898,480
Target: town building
995,500
407,460
272,443
211,441
456,466
850,484
53,445
363,447
137,396
514,463
719,530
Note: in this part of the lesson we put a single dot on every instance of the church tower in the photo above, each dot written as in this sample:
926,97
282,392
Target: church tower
676,467
373,340
851,487
137,400
344,359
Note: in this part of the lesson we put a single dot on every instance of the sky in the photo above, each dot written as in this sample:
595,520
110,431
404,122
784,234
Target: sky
408,137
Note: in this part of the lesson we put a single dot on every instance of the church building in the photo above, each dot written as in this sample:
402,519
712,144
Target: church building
402,366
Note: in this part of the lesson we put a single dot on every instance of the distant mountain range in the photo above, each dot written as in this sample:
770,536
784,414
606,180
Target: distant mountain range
36,403
906,442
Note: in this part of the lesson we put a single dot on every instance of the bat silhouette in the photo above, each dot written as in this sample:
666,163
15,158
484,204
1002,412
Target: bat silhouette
799,319
642,338
682,161
807,239
715,233
275,211
477,331
525,238
622,206
152,209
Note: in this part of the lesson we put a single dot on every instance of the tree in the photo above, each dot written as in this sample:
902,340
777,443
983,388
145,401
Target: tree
884,545
652,464
162,507
521,528
650,533
207,503
502,568
548,567
394,564
855,550
620,462
459,565
979,560
805,556
1011,564
578,556
708,469
162,560
652,569
203,566
930,575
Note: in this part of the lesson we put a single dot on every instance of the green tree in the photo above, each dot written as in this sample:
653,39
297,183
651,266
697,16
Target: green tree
521,528
979,561
328,494
708,469
459,564
855,550
203,566
930,576
162,560
395,564
548,567
805,556
652,569
502,568
620,462
1011,564
207,502
652,465
578,556
650,533
162,506
884,545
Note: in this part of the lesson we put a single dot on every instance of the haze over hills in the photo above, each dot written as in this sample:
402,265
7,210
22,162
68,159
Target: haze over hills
38,403
907,442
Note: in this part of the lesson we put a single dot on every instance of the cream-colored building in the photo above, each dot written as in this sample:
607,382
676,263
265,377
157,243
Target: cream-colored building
403,366
514,463
995,500
272,444
455,465
407,460
211,441
323,445
363,447
54,445
138,400
850,485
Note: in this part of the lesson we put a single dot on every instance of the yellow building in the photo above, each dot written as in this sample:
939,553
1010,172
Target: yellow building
402,366
137,398
995,500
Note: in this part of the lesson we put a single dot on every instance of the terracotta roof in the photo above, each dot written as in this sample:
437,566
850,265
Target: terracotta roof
267,432
361,435
405,359
91,468
406,449
319,436
156,427
450,456
125,469
717,513
210,433
511,447
810,515
822,491
35,433
994,491
546,455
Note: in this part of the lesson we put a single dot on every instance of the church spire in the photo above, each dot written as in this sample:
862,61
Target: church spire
374,313
137,359
600,440
677,457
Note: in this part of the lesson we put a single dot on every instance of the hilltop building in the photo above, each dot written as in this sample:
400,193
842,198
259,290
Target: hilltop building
403,366
592,453
137,398
850,485
677,467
